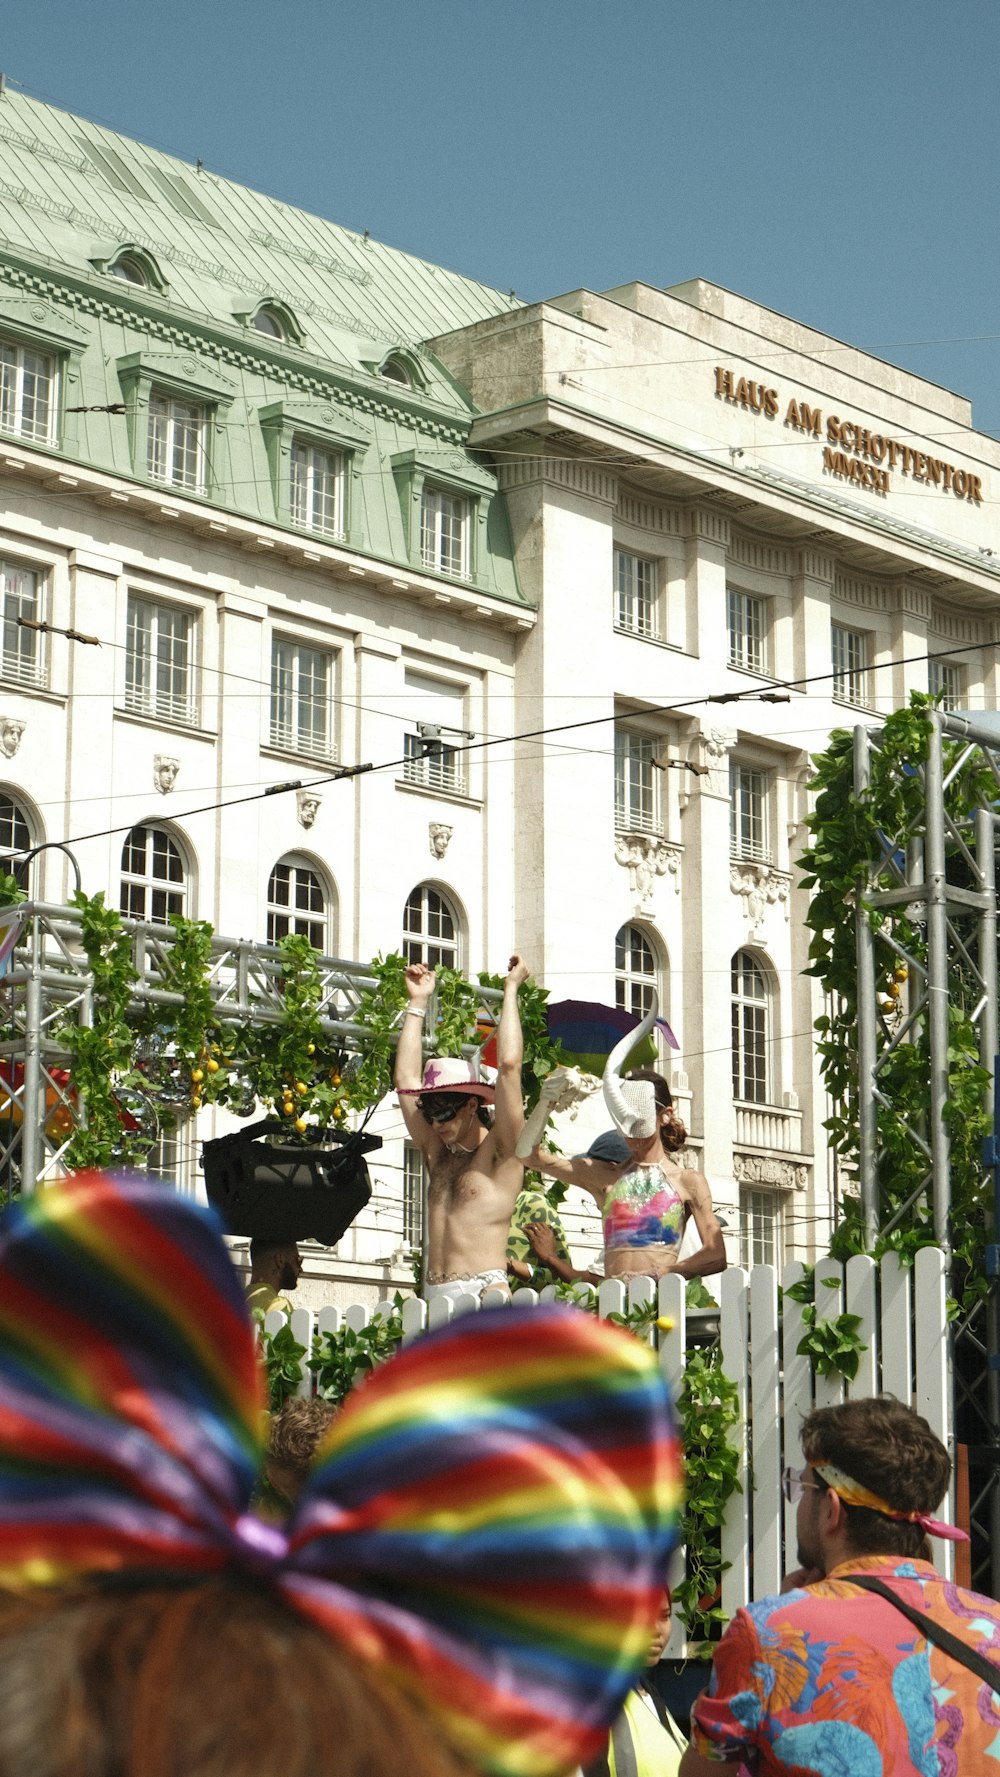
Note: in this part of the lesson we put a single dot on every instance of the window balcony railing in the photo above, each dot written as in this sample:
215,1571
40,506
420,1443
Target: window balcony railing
768,1126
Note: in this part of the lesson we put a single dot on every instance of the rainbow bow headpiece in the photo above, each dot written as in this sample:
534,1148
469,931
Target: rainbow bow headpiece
489,1517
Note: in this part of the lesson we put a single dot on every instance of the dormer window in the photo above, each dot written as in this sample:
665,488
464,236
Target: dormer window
131,265
130,271
266,321
274,319
395,371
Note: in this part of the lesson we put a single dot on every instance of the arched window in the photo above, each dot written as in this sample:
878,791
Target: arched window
274,319
15,836
154,881
751,1029
636,971
129,269
133,265
266,321
298,903
395,371
430,928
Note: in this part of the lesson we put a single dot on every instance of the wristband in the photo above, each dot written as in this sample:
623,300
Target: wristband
416,1011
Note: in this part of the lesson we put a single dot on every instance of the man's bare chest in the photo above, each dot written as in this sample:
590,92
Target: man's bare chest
460,1180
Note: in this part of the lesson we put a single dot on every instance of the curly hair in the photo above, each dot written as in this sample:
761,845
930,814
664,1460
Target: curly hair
296,1432
894,1453
673,1135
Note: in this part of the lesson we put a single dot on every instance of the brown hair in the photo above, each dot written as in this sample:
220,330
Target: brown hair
296,1433
220,1679
893,1452
673,1135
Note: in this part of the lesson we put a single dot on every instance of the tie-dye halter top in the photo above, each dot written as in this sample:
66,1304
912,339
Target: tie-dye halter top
642,1208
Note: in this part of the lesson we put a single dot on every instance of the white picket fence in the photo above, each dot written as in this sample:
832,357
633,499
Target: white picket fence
903,1326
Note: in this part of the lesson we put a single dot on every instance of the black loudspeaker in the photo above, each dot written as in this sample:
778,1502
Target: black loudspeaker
287,1193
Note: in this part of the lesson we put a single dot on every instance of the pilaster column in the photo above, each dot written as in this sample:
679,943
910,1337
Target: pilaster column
249,836
92,686
708,925
812,590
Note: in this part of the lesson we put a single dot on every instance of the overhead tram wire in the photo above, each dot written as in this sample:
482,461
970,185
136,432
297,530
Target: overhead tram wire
776,692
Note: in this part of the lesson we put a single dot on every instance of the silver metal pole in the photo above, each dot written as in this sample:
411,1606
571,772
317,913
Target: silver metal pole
937,987
986,836
867,1157
33,1096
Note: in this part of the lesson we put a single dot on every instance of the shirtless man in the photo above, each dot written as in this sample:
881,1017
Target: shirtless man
475,1174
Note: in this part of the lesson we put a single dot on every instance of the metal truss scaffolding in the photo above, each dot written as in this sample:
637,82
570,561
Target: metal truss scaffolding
48,986
940,871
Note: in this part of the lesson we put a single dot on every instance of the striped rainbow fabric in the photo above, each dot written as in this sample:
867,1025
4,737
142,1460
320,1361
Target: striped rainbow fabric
490,1516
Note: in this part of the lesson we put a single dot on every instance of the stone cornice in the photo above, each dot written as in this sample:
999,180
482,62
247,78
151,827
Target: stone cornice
648,515
757,552
163,505
322,382
574,474
706,526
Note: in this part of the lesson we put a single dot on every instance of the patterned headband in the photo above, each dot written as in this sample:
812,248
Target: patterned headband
489,1517
854,1494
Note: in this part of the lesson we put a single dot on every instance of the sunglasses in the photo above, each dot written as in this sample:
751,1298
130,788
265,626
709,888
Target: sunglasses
794,1484
440,1110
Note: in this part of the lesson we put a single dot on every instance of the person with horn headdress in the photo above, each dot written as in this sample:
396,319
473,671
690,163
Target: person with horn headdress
646,1200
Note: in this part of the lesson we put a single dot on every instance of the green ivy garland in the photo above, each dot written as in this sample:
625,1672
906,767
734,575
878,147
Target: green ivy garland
849,831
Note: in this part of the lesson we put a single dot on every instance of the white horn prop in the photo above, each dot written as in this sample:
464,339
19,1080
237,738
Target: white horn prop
632,1103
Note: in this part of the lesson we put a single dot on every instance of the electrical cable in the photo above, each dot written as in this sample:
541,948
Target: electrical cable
343,772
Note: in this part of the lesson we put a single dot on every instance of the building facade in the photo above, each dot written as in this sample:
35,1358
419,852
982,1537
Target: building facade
318,501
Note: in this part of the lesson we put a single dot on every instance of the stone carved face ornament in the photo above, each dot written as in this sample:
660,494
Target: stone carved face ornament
307,807
11,730
439,834
165,772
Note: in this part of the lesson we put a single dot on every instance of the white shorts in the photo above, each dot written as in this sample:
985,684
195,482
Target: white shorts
471,1285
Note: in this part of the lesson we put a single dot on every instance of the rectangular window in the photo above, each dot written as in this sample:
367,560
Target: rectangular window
431,762
949,677
317,489
175,442
748,823
637,782
432,751
28,390
760,1228
159,663
413,1195
636,590
849,658
23,659
444,532
747,619
302,699
750,1083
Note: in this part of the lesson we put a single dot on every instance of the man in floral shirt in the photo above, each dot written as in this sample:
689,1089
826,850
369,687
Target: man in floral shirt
829,1679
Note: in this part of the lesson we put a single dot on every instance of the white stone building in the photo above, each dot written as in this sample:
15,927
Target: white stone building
309,493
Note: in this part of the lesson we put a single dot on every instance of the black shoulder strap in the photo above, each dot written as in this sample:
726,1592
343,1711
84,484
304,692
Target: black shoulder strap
941,1637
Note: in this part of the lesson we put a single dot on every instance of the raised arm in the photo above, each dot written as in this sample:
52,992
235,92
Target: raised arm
711,1255
560,1089
509,1119
420,982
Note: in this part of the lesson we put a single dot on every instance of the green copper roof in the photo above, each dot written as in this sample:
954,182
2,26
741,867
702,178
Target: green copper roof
71,190
74,195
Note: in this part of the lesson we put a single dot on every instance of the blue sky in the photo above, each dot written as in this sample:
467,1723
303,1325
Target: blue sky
836,163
